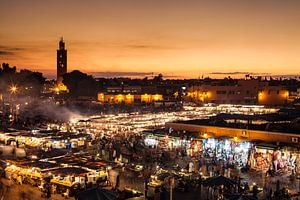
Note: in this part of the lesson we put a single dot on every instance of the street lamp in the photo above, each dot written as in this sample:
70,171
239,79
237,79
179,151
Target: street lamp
14,107
13,89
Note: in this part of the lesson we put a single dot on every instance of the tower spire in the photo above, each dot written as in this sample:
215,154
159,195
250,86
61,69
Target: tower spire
61,43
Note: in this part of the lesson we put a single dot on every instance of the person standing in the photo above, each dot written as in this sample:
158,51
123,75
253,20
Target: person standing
117,185
156,194
163,194
19,179
191,167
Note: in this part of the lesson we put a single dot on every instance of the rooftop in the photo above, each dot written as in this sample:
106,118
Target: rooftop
285,121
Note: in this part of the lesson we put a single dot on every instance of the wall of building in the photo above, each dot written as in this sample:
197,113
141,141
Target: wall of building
241,134
124,90
244,92
129,98
273,95
148,98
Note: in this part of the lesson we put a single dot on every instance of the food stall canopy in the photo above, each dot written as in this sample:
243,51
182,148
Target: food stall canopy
266,146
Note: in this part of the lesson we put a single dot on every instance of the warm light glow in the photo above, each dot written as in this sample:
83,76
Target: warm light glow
129,98
101,97
120,98
145,98
260,95
287,93
208,94
13,89
157,97
62,87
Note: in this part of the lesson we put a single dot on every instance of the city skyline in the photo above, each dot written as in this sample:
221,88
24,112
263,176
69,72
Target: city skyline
149,99
179,39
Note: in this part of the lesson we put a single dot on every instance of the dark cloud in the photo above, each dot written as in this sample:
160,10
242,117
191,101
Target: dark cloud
7,50
6,53
172,77
297,76
238,73
139,46
147,46
16,49
121,74
130,75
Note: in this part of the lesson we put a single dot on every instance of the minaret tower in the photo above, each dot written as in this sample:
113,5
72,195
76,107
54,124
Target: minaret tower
61,62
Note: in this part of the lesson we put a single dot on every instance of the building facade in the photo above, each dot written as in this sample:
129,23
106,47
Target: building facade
273,95
242,92
129,95
128,98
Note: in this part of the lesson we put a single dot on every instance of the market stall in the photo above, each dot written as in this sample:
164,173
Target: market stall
230,150
271,157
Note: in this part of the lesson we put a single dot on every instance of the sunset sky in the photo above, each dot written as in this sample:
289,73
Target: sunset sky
187,38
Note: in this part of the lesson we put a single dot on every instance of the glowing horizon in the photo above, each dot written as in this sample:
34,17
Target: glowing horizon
176,38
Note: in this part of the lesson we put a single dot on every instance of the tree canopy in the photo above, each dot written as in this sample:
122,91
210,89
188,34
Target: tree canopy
80,84
28,81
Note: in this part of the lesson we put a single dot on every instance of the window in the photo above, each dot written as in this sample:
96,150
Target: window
294,139
221,92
